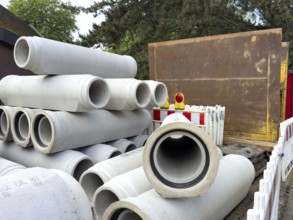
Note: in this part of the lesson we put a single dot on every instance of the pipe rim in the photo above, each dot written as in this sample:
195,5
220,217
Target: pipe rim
160,94
22,52
200,159
20,127
82,165
142,94
4,123
90,182
98,93
102,199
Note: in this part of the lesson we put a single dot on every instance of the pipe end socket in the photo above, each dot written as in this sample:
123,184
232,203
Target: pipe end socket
140,95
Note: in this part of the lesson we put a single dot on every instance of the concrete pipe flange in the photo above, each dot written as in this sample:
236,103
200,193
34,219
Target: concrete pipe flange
180,160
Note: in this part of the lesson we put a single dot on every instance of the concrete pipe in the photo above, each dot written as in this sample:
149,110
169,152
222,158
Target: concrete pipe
123,145
58,131
38,193
180,159
7,167
72,162
20,126
75,93
159,93
100,152
129,184
139,140
220,199
102,172
127,94
6,113
49,57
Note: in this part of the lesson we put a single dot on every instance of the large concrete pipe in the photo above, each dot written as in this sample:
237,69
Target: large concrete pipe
20,126
100,152
123,145
38,193
180,159
102,172
159,93
72,162
7,166
76,93
139,140
49,57
218,201
58,131
129,184
6,113
128,94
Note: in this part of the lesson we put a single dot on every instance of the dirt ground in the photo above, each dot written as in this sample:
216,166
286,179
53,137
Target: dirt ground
285,202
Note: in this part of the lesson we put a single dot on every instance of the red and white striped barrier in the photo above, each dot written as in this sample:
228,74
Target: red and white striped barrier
209,118
266,200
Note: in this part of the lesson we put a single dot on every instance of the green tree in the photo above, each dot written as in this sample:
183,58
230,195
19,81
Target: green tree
51,18
131,24
268,14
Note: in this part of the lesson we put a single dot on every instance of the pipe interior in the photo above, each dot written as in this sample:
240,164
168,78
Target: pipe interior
23,127
90,182
3,123
130,147
179,157
43,131
160,95
114,154
81,167
21,52
142,94
128,214
103,200
99,93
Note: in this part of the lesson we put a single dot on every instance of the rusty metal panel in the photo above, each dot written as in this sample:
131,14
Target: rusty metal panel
240,71
283,77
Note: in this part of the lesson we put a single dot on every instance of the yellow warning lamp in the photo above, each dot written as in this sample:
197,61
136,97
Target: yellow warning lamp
166,105
179,101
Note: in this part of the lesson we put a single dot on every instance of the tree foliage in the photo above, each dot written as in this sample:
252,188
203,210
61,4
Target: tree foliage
131,24
51,18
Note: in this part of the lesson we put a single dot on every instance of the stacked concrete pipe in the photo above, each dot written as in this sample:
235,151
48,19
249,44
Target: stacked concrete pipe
139,140
123,145
100,152
6,113
93,178
21,126
38,193
180,159
72,162
218,201
58,131
159,93
128,94
76,93
7,167
129,184
49,57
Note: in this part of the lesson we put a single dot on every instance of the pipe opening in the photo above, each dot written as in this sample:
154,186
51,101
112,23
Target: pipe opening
128,214
3,123
114,154
130,147
21,53
99,93
43,131
160,95
180,159
103,199
90,182
21,126
142,94
81,167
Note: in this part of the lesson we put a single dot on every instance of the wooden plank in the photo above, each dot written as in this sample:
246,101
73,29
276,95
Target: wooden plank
240,71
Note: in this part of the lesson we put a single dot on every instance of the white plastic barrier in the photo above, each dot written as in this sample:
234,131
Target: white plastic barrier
266,200
209,118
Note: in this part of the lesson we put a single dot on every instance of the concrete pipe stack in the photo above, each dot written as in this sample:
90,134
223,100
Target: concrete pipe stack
82,106
179,172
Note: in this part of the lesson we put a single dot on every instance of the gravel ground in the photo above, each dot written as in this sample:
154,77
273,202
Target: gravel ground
285,202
